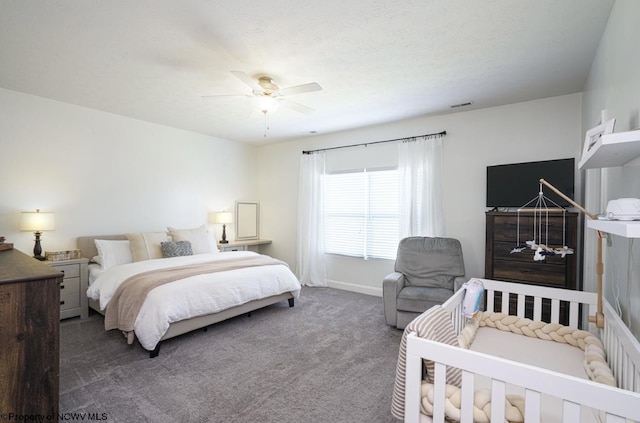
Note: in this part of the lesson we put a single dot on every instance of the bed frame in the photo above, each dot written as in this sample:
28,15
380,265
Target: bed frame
87,245
622,348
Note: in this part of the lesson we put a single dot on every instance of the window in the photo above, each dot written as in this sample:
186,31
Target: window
361,213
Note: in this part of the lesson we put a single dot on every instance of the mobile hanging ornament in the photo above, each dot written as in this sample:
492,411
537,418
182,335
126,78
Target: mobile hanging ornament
541,212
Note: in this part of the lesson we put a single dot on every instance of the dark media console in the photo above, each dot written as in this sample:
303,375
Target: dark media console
520,267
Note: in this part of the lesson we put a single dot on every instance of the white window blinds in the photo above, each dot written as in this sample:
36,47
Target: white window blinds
361,213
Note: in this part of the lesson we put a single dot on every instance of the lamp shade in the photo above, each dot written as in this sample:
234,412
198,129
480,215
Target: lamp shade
221,217
37,221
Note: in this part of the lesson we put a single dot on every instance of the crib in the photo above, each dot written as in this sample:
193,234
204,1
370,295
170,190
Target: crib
575,395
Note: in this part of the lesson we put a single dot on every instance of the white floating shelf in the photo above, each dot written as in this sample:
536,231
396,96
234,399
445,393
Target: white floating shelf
612,150
627,229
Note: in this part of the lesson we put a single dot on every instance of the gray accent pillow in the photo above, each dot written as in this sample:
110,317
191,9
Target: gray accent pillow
176,249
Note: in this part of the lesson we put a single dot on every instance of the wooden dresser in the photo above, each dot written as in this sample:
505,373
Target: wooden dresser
502,236
29,336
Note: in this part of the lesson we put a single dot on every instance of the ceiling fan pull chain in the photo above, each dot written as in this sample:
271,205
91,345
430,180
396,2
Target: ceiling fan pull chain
266,123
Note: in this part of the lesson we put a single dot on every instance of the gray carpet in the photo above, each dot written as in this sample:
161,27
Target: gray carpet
331,358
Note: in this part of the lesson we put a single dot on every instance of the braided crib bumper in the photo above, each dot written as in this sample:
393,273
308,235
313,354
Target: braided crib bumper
513,410
595,363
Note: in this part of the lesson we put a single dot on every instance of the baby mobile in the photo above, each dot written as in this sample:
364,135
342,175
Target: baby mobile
540,241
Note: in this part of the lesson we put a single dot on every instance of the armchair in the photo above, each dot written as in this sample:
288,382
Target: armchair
427,272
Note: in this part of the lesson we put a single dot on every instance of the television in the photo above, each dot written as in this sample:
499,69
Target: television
514,185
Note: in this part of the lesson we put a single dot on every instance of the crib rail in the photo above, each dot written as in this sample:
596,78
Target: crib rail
454,306
623,355
537,293
617,404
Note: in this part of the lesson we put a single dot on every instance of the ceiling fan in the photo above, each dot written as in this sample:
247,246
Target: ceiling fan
268,96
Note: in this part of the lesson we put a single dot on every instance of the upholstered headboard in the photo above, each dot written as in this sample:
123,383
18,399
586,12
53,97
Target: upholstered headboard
88,246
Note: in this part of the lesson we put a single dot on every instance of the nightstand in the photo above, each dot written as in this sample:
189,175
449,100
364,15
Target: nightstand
73,289
248,245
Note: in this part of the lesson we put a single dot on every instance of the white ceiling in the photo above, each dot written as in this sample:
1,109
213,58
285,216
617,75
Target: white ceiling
377,61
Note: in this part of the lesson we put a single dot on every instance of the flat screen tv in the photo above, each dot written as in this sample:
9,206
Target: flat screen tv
514,185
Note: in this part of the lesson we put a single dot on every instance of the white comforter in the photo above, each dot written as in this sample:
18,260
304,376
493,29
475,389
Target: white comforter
194,296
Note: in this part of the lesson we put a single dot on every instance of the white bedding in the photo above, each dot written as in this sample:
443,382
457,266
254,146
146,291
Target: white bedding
194,296
94,271
550,355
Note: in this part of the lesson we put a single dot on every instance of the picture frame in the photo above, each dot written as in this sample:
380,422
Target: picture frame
247,220
594,134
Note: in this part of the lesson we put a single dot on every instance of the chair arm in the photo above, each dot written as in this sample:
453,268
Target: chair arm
458,282
392,284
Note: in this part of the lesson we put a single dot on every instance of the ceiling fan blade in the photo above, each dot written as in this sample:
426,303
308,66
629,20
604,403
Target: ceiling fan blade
300,89
246,79
297,107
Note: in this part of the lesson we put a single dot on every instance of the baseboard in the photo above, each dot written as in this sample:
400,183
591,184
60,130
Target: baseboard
346,286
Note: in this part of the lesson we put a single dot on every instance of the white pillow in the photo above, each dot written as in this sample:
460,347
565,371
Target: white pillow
113,252
213,243
198,237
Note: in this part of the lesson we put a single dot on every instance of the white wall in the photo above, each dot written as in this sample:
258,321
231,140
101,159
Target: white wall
614,85
104,174
537,130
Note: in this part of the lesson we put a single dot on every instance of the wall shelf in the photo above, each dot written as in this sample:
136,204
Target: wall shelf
627,229
612,150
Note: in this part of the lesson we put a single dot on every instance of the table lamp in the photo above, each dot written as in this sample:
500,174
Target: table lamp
223,218
37,222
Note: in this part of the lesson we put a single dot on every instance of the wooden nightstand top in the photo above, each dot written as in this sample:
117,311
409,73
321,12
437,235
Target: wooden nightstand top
81,260
246,242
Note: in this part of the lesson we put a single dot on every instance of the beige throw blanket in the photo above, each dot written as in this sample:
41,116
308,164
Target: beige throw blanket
126,302
435,325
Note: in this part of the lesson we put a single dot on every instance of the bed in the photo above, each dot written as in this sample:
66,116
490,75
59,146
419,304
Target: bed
188,304
512,377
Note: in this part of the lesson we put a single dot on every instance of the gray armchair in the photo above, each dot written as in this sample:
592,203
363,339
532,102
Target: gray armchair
427,272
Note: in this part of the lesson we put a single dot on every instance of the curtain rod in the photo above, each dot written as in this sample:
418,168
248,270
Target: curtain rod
374,142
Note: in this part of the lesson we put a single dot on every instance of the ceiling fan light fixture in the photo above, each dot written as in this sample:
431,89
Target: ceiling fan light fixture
265,104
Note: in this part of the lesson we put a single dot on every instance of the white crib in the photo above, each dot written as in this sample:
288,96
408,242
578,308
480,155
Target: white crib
621,347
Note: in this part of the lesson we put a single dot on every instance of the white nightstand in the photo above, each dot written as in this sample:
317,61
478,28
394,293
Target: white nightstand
248,245
73,289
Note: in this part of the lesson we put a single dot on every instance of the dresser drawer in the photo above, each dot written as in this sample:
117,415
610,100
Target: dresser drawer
69,270
548,231
69,293
506,229
531,272
502,251
233,248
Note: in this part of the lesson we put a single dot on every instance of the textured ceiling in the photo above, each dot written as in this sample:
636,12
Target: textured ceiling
377,61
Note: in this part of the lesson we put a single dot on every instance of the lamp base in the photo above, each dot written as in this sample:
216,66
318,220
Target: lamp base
37,249
224,234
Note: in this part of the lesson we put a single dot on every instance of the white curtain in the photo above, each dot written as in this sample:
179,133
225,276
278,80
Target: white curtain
419,166
310,256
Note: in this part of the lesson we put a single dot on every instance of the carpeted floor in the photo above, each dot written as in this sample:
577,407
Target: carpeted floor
331,358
